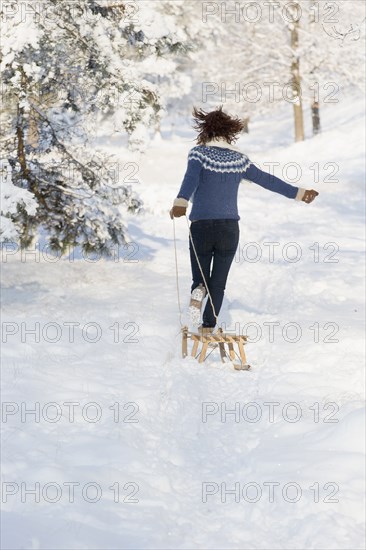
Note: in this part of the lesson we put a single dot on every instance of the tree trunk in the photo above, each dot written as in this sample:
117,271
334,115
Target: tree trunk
246,125
21,145
296,81
315,108
33,132
315,115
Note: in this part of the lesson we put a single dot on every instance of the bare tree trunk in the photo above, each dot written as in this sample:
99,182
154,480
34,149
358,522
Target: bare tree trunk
296,81
246,125
315,115
315,108
158,126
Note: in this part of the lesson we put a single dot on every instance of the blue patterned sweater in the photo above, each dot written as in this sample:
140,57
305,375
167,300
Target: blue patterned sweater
212,180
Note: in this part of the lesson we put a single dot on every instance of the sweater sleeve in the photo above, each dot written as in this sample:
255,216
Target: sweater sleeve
272,183
190,182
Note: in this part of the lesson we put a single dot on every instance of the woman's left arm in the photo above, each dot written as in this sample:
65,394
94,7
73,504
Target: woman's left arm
272,183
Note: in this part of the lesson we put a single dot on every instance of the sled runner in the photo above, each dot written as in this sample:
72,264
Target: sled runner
211,342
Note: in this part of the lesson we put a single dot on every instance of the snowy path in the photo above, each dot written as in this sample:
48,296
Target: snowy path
163,436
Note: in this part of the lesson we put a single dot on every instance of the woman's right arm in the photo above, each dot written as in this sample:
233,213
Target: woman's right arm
189,185
191,179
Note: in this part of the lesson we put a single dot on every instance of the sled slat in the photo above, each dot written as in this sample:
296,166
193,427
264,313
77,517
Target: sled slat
195,347
242,352
203,352
231,351
184,342
222,351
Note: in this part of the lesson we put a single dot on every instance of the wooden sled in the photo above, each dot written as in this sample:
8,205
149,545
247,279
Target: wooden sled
212,341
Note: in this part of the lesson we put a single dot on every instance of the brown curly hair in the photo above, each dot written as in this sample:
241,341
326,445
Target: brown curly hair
216,124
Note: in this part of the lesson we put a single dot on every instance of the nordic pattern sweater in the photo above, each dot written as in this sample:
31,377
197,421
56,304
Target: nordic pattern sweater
212,180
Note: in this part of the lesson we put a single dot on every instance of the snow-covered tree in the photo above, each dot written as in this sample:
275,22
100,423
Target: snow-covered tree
176,77
67,68
266,54
13,200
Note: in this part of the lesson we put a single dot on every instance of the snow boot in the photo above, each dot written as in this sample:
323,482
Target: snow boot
195,304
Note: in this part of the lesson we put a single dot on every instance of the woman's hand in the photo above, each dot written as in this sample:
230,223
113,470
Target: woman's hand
309,196
177,211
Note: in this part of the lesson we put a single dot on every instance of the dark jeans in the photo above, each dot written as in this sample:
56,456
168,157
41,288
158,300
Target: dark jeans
216,242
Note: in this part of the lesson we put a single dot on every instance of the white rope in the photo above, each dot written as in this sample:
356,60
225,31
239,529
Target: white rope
176,274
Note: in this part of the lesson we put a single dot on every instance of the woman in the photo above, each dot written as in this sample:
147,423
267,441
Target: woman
215,169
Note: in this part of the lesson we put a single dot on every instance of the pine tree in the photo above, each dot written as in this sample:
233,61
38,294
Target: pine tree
67,68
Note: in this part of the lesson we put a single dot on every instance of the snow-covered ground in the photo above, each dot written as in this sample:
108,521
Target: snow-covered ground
133,447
